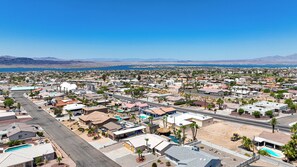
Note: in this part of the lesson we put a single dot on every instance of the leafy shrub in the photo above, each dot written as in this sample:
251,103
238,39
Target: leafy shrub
257,114
38,161
263,152
168,163
81,129
269,113
14,143
40,134
240,111
180,103
154,165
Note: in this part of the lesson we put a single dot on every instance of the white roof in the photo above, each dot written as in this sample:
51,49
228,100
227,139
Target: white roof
71,107
263,106
260,139
182,119
68,86
25,154
6,114
153,140
162,145
17,88
11,158
129,130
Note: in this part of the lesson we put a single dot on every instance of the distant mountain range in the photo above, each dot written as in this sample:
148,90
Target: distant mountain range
132,60
12,61
290,59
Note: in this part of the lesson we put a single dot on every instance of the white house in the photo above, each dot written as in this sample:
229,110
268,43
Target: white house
264,106
74,108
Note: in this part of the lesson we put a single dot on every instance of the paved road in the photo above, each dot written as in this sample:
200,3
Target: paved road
80,151
216,116
287,120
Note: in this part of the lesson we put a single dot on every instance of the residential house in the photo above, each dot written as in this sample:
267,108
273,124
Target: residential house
97,119
186,156
25,157
19,131
151,142
158,112
88,110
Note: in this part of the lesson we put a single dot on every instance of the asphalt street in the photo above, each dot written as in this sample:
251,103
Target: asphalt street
80,151
216,116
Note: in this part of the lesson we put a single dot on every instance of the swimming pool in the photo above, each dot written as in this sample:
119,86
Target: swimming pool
174,139
143,116
272,152
11,149
118,118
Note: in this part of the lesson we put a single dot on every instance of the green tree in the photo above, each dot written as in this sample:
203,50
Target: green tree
104,77
70,114
183,128
133,117
194,128
256,114
18,106
59,159
220,102
247,143
8,102
154,164
294,128
187,96
57,111
273,123
266,90
38,161
240,111
263,152
269,113
289,149
139,152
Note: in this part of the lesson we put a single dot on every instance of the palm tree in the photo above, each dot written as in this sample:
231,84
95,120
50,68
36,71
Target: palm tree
18,106
133,117
146,142
187,96
220,102
165,121
294,128
59,159
247,143
183,128
139,152
194,127
273,123
177,135
150,118
150,127
70,114
290,150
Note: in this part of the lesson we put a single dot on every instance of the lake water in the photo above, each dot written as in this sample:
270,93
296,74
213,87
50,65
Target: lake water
146,67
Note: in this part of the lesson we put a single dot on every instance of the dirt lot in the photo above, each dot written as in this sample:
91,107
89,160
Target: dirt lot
220,132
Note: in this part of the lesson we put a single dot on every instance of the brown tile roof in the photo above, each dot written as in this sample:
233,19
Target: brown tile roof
61,103
96,117
277,137
95,108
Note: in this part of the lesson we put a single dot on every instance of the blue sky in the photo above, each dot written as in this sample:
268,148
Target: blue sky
179,29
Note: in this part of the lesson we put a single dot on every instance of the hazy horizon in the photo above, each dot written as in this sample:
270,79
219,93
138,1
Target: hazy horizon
196,30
